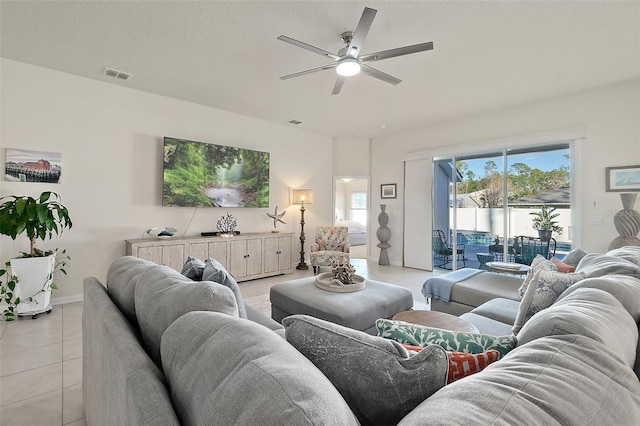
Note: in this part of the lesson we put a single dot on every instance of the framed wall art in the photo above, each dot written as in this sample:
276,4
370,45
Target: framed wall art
388,190
23,165
623,179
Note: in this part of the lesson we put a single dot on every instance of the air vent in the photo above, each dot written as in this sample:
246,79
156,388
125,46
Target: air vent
296,122
117,74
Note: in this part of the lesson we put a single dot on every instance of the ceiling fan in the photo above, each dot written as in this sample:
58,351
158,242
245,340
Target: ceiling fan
349,61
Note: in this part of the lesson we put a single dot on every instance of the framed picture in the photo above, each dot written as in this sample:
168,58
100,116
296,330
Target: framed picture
623,179
388,190
23,165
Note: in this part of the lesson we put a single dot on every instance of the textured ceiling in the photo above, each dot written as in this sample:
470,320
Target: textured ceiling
487,55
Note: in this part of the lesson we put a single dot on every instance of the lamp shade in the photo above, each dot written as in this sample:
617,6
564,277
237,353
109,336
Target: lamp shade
301,196
348,67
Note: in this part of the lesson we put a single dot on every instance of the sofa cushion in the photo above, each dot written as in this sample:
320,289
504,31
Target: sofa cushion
567,380
543,290
574,256
376,376
599,265
163,295
226,370
539,263
214,271
499,309
193,269
630,253
624,288
588,312
122,277
487,325
419,335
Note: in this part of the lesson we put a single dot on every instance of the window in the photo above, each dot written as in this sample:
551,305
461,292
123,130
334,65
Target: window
358,207
488,198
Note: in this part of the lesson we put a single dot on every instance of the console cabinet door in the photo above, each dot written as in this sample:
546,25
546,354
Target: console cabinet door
238,259
254,258
169,255
277,254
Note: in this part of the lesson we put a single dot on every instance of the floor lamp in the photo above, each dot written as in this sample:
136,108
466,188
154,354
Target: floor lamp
302,196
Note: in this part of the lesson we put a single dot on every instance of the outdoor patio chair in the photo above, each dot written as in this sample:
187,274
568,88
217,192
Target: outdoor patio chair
527,248
443,251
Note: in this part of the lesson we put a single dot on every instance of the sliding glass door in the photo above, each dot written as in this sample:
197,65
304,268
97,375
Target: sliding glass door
483,201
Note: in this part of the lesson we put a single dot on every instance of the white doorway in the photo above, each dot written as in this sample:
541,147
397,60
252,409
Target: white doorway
351,196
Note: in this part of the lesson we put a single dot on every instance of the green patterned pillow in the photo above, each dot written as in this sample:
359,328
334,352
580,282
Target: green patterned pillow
419,335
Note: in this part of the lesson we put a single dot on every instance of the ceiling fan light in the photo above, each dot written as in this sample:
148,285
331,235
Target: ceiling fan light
348,67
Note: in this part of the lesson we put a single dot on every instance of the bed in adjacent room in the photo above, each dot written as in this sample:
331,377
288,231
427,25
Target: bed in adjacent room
357,232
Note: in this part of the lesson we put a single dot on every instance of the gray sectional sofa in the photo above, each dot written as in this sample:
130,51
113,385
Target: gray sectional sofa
162,349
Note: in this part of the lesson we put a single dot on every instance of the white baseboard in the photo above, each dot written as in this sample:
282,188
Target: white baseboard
67,299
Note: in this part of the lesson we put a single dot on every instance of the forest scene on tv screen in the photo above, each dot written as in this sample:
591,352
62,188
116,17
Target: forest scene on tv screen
198,174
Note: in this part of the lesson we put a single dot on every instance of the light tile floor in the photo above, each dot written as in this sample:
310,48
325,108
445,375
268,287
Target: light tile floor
41,369
41,359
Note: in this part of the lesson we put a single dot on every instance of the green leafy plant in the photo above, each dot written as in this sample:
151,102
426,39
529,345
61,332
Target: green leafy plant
7,294
544,219
38,218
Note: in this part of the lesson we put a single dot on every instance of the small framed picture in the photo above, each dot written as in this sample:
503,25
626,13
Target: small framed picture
623,179
388,190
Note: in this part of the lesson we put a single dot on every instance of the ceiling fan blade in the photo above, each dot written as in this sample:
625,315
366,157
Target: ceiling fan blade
338,86
379,75
308,47
312,70
355,46
399,51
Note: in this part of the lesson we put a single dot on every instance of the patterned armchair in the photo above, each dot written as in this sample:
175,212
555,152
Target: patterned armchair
331,245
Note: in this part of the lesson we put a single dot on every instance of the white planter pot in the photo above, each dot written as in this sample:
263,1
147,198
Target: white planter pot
34,280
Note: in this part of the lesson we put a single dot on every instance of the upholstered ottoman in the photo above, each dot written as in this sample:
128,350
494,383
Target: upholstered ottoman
358,310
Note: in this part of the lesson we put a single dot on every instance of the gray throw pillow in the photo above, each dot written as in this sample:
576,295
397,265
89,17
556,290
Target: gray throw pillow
193,268
544,289
214,271
574,256
377,377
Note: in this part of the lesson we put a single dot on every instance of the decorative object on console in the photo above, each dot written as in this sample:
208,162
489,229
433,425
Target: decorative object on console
161,232
627,223
277,217
227,225
384,234
302,196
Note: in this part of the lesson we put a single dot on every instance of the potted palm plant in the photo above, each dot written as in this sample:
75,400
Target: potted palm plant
544,222
29,284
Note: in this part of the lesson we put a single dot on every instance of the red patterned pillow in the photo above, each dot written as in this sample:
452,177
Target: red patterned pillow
563,267
462,364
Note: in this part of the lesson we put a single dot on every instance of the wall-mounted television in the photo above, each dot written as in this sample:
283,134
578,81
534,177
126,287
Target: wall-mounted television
197,174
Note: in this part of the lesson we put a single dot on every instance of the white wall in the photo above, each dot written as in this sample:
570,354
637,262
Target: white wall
111,137
610,115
